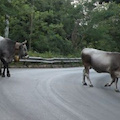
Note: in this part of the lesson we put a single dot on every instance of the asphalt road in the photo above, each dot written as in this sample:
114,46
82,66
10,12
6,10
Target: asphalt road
57,94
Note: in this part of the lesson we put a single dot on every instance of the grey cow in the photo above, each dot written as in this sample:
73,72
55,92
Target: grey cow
102,62
8,50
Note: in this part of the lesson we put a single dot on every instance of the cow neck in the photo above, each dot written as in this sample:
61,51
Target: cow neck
17,48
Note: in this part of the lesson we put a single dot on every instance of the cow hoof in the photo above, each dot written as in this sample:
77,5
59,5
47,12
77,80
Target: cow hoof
91,85
85,84
3,75
8,75
116,90
106,85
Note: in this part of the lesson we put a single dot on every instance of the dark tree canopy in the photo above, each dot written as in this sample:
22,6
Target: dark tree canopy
60,27
107,1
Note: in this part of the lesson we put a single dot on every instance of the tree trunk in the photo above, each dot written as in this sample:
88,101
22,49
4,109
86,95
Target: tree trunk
7,25
31,24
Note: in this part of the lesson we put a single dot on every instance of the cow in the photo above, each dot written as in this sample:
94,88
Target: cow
101,62
9,50
0,60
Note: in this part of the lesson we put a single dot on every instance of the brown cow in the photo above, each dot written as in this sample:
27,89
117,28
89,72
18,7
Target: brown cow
102,62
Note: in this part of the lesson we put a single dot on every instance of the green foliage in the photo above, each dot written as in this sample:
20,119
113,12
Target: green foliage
56,27
45,54
102,29
101,1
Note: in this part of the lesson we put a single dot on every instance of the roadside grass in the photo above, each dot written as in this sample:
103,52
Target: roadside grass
52,55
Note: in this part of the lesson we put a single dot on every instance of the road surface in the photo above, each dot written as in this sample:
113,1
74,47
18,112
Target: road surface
57,94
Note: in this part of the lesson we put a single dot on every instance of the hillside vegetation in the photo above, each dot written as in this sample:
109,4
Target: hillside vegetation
59,28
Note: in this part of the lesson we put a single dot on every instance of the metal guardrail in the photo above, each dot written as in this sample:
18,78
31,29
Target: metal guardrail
50,60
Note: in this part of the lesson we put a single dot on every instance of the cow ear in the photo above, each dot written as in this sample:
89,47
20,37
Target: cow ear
24,42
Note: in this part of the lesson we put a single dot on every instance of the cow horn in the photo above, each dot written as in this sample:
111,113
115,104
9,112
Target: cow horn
24,42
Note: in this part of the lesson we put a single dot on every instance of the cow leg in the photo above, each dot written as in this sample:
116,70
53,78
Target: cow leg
86,74
3,74
109,84
84,83
5,66
0,71
8,73
0,67
113,79
116,89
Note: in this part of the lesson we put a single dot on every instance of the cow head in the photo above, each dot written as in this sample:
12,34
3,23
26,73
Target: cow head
21,50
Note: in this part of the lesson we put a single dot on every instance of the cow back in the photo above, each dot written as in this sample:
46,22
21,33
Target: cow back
100,61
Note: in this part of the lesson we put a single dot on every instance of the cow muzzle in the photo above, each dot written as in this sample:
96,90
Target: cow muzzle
26,57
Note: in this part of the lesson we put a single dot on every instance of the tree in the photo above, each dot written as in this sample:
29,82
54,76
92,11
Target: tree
61,27
6,10
20,22
107,1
